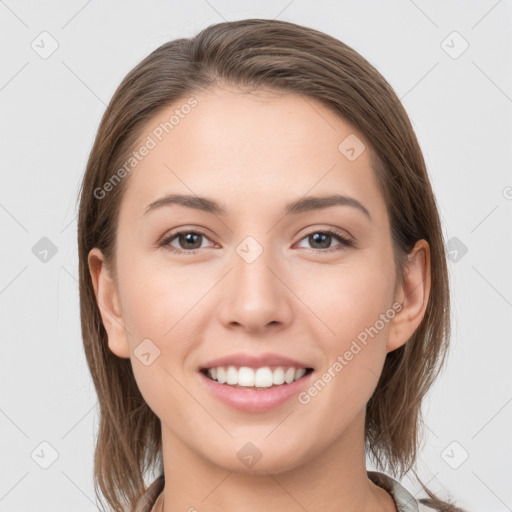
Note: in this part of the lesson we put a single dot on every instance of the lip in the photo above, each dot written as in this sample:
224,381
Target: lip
254,361
252,400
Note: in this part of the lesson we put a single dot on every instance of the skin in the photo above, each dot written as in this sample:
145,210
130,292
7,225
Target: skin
253,153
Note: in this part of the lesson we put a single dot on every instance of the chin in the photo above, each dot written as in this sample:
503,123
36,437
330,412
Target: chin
248,459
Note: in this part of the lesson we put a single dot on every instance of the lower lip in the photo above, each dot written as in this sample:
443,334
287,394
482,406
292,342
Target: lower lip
252,400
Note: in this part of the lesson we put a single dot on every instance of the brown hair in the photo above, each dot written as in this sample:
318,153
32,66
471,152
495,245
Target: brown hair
260,53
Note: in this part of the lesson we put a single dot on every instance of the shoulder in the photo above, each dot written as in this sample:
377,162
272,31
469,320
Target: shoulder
404,500
147,501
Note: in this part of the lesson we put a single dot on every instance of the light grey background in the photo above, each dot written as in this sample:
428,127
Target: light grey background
461,108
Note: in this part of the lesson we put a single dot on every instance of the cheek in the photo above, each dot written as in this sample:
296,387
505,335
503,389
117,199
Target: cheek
154,299
353,303
356,308
348,300
158,311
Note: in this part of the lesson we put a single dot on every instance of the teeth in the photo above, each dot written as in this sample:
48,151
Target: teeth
260,378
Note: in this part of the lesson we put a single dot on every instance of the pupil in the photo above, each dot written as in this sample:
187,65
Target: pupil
316,236
189,239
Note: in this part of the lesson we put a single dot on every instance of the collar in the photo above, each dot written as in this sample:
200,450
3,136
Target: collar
404,500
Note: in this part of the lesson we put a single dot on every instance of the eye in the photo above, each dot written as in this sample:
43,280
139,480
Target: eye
189,241
324,239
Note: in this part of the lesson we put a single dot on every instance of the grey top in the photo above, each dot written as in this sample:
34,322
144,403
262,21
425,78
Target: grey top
404,500
151,500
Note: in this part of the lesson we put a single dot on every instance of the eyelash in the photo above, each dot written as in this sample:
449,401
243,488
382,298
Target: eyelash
343,239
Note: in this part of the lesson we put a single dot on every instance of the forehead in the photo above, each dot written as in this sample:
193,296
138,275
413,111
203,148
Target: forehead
260,148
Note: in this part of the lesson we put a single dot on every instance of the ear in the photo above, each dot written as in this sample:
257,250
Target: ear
108,303
413,294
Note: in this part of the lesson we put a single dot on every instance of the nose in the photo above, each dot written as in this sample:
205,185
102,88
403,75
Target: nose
255,296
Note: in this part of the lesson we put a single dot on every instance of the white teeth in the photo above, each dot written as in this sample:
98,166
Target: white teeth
288,376
300,373
261,377
232,375
278,376
221,375
245,376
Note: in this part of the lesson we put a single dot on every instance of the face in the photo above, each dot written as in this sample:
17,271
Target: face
314,284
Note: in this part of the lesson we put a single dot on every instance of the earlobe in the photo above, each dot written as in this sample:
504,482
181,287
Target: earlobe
413,295
108,303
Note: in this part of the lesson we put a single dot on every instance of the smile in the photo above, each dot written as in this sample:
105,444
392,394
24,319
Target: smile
242,391
264,377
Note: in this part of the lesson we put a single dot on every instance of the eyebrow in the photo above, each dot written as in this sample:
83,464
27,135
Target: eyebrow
302,205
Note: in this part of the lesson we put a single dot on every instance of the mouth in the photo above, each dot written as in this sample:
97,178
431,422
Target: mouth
255,390
260,379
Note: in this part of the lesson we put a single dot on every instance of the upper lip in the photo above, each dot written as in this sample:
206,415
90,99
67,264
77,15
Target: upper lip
254,361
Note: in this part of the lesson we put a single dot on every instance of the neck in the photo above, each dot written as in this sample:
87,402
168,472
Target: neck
332,480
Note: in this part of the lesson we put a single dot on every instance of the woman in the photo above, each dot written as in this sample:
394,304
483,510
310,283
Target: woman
263,285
